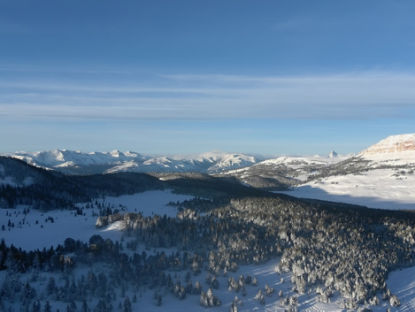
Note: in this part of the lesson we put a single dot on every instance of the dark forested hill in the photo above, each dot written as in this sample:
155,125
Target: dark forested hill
21,183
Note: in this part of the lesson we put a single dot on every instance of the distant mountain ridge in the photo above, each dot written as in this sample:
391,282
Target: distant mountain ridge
24,184
76,162
285,171
394,152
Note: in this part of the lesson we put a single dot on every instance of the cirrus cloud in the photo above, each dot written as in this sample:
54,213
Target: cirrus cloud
336,96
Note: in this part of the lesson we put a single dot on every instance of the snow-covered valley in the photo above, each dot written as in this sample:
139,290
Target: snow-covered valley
36,229
32,229
381,176
220,237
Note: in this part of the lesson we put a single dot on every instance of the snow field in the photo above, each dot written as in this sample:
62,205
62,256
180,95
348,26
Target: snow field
35,230
380,188
264,273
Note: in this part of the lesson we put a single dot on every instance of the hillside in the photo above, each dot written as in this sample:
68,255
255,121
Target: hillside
21,183
382,176
251,252
285,171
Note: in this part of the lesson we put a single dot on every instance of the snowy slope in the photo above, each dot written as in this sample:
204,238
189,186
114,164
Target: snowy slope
75,162
402,284
392,144
382,176
395,150
284,171
206,163
380,188
17,173
32,231
303,165
60,157
265,274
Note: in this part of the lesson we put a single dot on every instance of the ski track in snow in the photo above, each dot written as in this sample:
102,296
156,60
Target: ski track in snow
30,236
402,284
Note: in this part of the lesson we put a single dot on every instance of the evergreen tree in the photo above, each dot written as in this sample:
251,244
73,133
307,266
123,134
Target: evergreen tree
127,305
47,307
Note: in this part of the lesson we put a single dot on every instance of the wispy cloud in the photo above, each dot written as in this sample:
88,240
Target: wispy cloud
343,96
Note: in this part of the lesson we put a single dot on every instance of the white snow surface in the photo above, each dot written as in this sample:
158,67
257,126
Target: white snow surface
403,158
402,284
387,183
393,144
300,167
296,162
149,203
395,150
117,161
62,158
30,236
264,273
378,188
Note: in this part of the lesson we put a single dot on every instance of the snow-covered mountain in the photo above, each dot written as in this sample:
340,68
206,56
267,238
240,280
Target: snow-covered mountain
76,162
67,158
285,171
394,151
391,145
382,176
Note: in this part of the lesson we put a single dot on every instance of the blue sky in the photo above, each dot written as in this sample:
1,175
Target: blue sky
272,77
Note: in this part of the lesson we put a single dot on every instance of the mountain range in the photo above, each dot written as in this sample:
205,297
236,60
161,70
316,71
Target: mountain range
380,176
85,217
76,162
